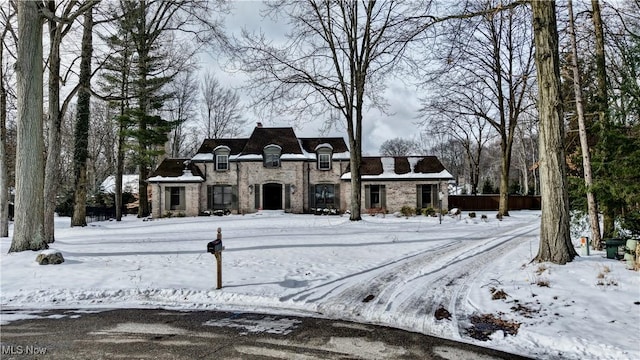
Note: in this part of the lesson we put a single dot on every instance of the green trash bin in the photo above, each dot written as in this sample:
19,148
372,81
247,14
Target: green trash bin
613,247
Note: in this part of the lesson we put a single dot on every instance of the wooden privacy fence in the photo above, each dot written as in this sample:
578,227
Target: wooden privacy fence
491,202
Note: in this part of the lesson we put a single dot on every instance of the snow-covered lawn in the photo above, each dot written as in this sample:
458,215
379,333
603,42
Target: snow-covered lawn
392,271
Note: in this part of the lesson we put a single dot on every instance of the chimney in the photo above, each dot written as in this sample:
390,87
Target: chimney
259,124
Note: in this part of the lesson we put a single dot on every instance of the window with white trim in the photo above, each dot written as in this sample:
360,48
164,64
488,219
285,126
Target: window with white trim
324,161
221,157
222,162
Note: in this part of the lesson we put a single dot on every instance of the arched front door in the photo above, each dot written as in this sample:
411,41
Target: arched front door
272,196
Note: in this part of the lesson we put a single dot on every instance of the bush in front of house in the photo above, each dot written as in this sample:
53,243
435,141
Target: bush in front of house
429,211
407,211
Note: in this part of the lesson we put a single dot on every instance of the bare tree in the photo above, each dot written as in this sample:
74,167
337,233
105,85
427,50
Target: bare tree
181,109
526,154
555,237
337,56
452,153
7,31
81,135
487,71
221,111
153,25
592,207
28,231
59,26
103,144
472,132
399,147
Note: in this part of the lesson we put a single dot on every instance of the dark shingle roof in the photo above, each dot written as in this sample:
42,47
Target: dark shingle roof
236,145
426,165
309,144
372,165
284,137
175,168
262,136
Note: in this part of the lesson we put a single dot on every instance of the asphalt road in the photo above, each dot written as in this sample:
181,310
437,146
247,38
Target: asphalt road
164,334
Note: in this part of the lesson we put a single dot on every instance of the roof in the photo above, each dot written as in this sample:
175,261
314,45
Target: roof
400,167
292,147
235,145
262,136
129,184
176,170
337,144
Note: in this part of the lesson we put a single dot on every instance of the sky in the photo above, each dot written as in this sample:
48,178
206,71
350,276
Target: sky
479,271
402,99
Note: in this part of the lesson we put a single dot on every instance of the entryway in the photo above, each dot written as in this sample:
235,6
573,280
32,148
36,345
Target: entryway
272,196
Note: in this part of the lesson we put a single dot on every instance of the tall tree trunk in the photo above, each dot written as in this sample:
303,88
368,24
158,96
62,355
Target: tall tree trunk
51,174
119,172
505,166
81,135
592,206
28,231
144,99
4,172
555,239
354,166
602,102
143,206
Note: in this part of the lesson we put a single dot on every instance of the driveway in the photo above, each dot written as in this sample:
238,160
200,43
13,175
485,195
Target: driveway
165,334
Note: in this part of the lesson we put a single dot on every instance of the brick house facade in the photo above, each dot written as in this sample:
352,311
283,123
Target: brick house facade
274,169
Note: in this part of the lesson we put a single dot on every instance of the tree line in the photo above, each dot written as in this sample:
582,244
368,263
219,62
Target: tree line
502,78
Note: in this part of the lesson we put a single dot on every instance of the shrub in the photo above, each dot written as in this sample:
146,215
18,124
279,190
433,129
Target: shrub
472,215
429,211
407,211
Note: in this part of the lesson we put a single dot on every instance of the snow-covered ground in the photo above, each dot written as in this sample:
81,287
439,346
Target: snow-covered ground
394,271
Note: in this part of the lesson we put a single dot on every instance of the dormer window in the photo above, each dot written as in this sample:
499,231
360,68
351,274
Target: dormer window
221,156
324,152
272,156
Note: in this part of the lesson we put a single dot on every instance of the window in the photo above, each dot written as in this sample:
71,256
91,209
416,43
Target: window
219,197
426,194
221,154
324,152
175,198
375,196
324,161
272,156
222,162
325,196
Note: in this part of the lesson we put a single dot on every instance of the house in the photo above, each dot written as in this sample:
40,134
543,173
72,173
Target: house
274,169
129,184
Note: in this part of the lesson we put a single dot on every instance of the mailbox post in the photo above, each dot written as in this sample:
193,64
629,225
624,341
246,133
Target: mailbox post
215,247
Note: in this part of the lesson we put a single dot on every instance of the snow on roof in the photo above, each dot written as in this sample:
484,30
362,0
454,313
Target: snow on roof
221,147
408,176
323,145
203,157
129,184
186,176
388,165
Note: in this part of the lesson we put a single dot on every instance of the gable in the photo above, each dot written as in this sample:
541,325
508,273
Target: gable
337,144
261,137
176,170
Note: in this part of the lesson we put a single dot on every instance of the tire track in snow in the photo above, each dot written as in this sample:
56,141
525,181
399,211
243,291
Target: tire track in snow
408,291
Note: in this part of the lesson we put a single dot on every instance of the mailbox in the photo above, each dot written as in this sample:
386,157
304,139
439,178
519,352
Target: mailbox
214,246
